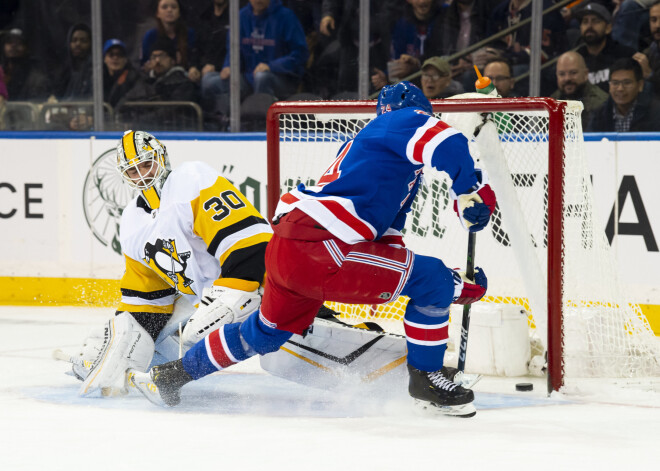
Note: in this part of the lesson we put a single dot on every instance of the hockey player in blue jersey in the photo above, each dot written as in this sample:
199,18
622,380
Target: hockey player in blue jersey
341,241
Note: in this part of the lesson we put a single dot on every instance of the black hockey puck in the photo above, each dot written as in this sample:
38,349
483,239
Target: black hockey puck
524,387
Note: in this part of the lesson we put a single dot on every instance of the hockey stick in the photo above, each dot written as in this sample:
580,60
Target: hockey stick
465,325
466,380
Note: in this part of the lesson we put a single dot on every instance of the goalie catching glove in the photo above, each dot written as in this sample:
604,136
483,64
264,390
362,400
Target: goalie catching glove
220,305
474,209
469,291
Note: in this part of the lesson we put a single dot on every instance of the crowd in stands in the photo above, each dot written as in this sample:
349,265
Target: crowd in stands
603,53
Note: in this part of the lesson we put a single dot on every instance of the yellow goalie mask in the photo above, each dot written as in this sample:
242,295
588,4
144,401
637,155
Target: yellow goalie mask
143,163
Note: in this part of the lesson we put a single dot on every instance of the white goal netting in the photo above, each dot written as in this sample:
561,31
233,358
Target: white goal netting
601,333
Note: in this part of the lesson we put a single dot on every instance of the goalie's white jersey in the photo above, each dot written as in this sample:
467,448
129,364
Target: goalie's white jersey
204,230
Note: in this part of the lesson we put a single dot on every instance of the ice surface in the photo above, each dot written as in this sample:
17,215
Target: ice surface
244,419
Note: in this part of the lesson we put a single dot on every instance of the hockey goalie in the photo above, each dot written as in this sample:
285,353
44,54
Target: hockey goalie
194,256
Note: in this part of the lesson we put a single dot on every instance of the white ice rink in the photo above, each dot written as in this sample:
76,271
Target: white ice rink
245,419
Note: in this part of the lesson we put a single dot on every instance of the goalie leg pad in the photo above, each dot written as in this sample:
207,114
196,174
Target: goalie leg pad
334,355
220,305
126,344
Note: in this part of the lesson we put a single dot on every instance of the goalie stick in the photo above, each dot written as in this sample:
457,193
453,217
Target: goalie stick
465,380
60,355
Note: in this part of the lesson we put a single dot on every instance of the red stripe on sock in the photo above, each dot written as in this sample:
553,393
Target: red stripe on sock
218,351
432,335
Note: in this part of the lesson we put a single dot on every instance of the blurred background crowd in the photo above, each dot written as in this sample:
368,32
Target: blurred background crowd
166,64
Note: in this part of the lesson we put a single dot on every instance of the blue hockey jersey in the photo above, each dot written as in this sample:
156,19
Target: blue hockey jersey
369,188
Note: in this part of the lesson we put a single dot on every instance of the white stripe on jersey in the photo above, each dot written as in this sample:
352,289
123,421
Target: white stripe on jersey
431,145
312,206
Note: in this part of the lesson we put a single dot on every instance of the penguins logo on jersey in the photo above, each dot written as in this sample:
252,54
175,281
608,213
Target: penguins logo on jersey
164,259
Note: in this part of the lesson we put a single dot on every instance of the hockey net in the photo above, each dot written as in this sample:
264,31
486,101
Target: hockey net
543,251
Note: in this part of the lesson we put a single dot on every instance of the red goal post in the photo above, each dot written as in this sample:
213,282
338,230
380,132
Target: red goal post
542,127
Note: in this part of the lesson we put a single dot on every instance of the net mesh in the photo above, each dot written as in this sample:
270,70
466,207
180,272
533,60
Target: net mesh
604,335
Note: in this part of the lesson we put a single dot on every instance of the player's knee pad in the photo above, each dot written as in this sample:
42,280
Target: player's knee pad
260,336
219,305
125,344
430,283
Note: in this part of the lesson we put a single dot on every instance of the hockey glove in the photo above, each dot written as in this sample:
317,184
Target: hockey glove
475,209
469,291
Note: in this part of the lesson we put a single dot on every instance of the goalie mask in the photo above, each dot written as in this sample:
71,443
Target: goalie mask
143,163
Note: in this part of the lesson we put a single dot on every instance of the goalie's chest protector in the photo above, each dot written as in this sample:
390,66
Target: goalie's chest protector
176,240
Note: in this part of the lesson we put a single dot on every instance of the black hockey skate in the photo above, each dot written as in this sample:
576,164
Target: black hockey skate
163,383
436,391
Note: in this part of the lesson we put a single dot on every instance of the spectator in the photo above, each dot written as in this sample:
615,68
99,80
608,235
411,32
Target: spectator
630,19
624,110
171,25
413,37
498,70
599,49
344,15
166,80
573,84
273,50
75,79
437,81
516,45
649,60
464,23
119,76
212,29
24,76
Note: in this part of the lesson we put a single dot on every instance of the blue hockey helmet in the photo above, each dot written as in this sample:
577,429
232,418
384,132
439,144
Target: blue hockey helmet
402,95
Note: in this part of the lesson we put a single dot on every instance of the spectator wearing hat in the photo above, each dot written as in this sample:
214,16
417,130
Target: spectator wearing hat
119,76
626,110
599,49
166,81
437,81
24,76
